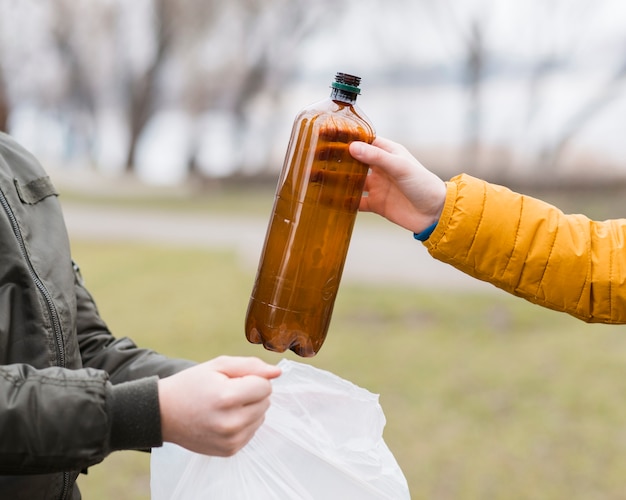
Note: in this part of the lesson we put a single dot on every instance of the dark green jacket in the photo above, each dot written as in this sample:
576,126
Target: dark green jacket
70,393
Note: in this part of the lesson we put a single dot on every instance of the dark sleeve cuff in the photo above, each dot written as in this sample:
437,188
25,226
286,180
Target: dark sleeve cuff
425,234
135,415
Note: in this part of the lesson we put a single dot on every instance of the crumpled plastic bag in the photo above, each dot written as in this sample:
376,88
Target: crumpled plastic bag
321,440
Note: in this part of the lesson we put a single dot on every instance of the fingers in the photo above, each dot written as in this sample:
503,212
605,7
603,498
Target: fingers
247,390
216,407
234,366
237,430
373,181
390,146
364,204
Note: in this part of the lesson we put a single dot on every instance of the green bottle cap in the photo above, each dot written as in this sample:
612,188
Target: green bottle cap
347,83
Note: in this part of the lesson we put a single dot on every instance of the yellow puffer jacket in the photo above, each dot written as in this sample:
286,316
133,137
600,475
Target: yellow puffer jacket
531,249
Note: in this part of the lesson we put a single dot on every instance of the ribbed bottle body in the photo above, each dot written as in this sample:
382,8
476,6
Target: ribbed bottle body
309,232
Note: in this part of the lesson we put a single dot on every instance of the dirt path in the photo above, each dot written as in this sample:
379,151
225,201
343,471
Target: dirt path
378,252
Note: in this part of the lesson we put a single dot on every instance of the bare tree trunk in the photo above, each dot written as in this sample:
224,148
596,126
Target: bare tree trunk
141,108
475,67
143,90
79,94
5,106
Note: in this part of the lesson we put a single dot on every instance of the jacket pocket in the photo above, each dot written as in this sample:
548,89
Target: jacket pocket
35,190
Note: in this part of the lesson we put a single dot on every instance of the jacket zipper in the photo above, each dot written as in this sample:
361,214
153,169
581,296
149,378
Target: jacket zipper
54,315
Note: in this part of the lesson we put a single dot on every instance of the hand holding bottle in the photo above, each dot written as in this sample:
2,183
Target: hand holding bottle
399,187
215,407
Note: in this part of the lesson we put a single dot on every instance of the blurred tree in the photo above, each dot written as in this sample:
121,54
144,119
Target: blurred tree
263,43
141,87
229,52
5,107
467,24
544,54
77,99
92,64
475,62
574,20
607,92
5,103
155,54
178,26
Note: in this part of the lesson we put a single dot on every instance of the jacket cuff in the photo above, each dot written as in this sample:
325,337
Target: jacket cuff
135,415
444,219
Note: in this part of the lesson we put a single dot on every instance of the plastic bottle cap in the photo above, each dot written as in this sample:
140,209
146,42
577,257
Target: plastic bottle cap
345,87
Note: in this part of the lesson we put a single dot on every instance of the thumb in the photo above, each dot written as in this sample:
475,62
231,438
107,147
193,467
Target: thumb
377,154
359,151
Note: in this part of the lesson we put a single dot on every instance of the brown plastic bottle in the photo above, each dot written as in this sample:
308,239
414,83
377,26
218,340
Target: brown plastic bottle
307,239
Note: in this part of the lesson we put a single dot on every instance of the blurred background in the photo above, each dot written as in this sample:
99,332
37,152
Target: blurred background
176,90
164,124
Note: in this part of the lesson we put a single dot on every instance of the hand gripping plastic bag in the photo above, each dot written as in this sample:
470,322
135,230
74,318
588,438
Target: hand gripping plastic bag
321,440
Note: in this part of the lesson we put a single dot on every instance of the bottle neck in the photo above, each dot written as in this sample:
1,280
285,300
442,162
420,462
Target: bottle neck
343,96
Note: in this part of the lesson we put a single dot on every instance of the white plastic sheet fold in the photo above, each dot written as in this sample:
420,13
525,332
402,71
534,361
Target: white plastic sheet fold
322,439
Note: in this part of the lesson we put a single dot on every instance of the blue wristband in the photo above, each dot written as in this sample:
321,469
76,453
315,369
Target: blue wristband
425,234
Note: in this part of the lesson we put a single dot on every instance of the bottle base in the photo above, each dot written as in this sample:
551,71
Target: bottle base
299,344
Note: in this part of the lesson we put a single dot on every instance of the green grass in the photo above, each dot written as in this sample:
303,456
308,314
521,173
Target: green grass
486,396
218,198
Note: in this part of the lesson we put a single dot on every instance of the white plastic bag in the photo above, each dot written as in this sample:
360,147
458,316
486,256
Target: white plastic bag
321,439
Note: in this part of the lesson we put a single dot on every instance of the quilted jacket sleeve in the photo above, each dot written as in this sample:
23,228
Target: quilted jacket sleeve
531,249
